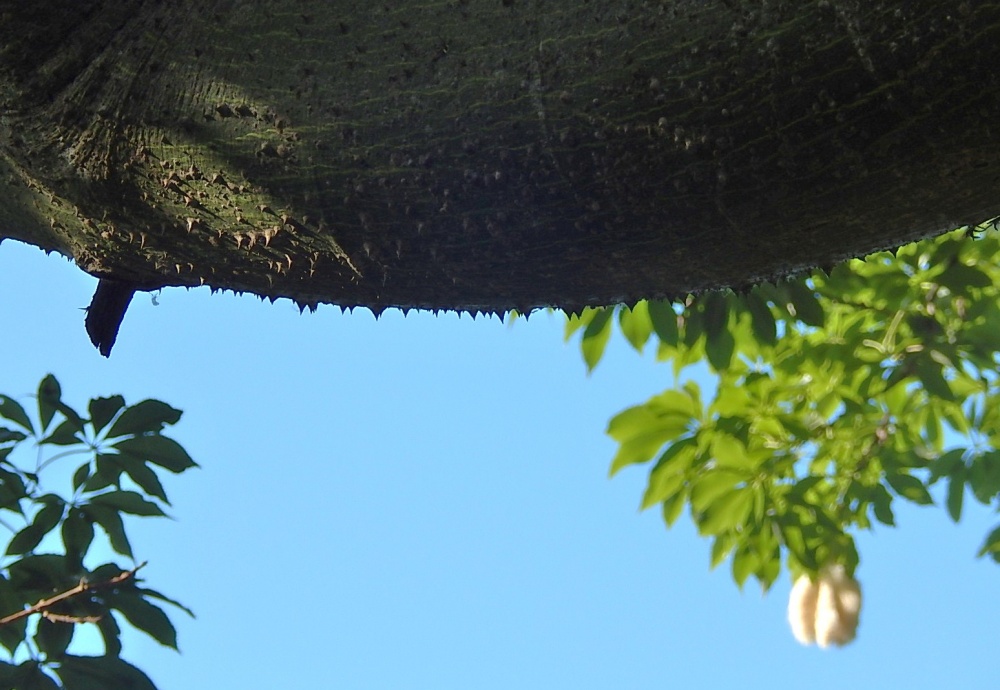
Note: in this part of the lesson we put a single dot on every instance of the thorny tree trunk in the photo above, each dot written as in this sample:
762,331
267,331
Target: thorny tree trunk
490,154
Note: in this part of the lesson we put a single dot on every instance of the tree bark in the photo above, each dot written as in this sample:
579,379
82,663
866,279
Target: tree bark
490,154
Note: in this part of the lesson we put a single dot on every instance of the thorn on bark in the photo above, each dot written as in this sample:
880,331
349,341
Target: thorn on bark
106,311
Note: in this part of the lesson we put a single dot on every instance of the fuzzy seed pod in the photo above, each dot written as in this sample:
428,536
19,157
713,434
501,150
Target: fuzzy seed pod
825,611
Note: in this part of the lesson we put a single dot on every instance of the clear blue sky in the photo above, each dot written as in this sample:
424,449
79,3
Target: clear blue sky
423,503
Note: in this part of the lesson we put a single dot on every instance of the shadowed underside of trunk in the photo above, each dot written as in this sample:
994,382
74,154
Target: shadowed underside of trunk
490,154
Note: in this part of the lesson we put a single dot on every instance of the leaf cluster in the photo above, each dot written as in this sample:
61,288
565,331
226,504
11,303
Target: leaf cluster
836,396
123,453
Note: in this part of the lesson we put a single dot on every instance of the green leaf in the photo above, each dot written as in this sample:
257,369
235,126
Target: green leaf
719,347
11,601
721,547
34,678
664,320
808,309
81,475
103,410
595,338
991,546
908,486
148,416
49,394
77,532
672,507
642,430
111,522
64,435
44,521
146,617
575,322
153,594
728,451
635,324
102,672
761,318
158,450
144,477
727,512
127,502
882,505
946,464
108,472
744,564
929,373
984,476
52,638
706,488
111,634
12,490
643,446
12,410
956,492
716,313
958,278
667,477
10,435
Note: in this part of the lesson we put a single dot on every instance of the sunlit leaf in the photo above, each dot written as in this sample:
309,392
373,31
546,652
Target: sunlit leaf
728,511
667,477
595,338
710,485
635,324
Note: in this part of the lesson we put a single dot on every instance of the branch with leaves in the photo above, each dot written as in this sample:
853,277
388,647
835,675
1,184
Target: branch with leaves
124,452
837,396
43,606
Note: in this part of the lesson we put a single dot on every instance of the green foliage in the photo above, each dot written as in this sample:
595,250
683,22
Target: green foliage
121,448
836,396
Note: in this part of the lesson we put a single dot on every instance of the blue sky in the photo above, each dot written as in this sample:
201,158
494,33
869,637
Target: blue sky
423,502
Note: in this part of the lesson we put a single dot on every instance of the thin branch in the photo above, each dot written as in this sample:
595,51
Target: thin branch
44,604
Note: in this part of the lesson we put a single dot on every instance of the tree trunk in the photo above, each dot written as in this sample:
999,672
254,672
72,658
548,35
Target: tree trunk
490,154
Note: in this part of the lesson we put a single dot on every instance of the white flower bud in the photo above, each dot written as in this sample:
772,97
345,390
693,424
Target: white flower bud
826,611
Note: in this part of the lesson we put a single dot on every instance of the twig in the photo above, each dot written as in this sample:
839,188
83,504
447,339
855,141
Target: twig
84,586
